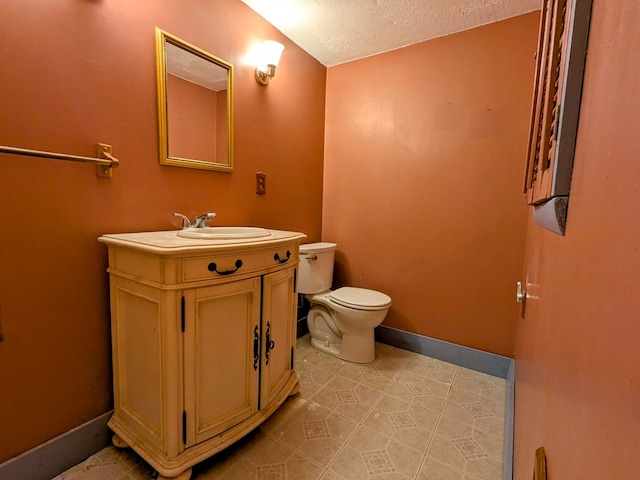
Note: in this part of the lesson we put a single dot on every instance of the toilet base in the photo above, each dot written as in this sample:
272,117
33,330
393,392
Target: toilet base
356,349
343,332
360,348
331,349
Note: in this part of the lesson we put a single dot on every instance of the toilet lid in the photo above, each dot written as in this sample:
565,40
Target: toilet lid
360,298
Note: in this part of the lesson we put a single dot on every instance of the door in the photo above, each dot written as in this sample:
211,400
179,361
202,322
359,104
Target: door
278,332
221,341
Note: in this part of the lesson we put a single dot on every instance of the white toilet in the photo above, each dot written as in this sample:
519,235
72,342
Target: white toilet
341,322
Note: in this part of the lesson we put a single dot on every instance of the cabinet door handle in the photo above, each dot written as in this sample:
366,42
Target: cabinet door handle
256,348
270,344
214,268
277,258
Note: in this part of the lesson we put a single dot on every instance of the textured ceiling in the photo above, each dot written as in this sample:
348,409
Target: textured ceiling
188,66
339,31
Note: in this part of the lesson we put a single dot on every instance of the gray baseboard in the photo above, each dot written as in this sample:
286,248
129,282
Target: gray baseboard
60,453
467,357
478,360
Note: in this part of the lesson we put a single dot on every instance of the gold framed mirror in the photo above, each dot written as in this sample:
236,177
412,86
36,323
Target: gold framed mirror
195,105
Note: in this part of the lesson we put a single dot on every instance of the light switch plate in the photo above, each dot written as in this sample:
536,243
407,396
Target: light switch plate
261,183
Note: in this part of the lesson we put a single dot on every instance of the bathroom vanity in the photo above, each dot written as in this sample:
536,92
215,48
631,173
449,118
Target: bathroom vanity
203,334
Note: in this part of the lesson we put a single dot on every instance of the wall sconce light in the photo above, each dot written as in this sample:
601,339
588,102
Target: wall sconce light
268,58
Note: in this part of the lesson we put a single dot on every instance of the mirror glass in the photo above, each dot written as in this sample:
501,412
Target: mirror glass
195,107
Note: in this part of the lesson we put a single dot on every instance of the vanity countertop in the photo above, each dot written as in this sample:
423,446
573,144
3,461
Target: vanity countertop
169,243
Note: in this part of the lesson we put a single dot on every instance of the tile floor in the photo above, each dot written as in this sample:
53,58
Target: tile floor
403,416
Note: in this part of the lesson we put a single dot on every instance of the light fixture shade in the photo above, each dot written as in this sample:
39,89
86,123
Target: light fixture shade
268,58
270,53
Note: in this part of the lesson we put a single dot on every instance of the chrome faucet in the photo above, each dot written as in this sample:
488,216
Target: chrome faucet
186,223
203,220
199,222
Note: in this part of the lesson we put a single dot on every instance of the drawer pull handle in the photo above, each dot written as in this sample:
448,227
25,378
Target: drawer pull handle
214,268
269,344
277,258
256,348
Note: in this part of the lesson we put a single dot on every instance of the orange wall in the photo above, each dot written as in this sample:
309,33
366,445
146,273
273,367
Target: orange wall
578,348
75,73
424,155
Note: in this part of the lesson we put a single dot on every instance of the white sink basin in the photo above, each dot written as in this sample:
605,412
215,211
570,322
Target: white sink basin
224,233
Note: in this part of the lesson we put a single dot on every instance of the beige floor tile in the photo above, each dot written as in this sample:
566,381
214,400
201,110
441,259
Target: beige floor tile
383,350
141,472
402,421
288,409
389,366
387,351
312,380
402,416
316,432
483,412
273,460
419,390
431,368
368,375
463,447
369,454
322,360
347,397
484,469
433,470
303,345
218,465
487,386
495,406
108,464
331,476
491,445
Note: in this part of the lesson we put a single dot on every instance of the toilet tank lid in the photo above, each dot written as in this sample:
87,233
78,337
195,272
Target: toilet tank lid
317,247
360,297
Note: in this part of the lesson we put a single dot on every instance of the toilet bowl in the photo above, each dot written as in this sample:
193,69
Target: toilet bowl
341,322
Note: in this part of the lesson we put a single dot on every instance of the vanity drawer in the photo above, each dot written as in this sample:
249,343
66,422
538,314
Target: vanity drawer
239,263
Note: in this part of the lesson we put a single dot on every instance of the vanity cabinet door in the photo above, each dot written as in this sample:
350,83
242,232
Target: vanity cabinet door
278,332
222,324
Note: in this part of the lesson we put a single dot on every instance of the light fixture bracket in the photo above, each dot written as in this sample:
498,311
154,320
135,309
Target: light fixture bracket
265,73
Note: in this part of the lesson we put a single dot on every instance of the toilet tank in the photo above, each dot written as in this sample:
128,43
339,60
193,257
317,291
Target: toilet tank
315,273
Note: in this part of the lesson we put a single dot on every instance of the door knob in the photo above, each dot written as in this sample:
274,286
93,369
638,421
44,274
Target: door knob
521,298
520,293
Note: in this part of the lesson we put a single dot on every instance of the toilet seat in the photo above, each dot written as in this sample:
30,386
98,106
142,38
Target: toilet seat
360,298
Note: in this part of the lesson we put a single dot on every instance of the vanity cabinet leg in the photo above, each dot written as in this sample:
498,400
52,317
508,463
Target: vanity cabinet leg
296,389
118,442
186,475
